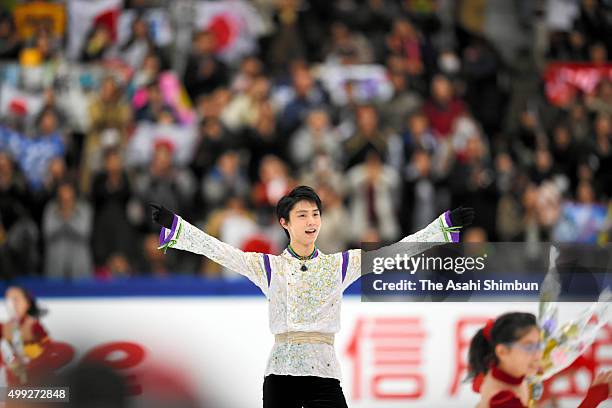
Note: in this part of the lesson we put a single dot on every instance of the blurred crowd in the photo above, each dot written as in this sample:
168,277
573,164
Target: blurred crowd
393,110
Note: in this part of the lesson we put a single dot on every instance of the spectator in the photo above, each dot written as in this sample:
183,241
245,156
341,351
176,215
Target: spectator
402,104
42,51
347,47
542,169
67,226
110,117
225,180
510,183
585,194
570,46
406,42
213,105
50,104
442,108
139,45
593,23
19,235
307,95
98,43
48,125
565,155
598,54
526,138
481,70
274,182
472,184
35,153
346,114
298,35
155,106
579,123
263,139
475,235
373,18
419,201
316,137
324,171
251,68
233,224
335,236
112,234
148,72
244,109
204,72
367,137
373,186
423,13
603,154
9,40
601,102
213,140
542,211
164,183
418,135
154,261
56,172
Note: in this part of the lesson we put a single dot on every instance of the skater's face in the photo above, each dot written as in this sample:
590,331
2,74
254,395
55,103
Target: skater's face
304,223
18,301
524,356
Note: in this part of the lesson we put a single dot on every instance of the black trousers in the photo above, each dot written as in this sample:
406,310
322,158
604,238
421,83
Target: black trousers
287,391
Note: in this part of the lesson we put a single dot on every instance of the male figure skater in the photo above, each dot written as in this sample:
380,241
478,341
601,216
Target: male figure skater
304,291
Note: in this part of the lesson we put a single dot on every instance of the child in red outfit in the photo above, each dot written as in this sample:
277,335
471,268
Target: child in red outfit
23,338
507,350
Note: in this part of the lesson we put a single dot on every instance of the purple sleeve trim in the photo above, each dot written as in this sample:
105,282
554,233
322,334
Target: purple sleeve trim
448,218
268,268
454,235
163,239
345,258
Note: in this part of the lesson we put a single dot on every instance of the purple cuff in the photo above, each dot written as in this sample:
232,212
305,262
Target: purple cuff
163,239
454,235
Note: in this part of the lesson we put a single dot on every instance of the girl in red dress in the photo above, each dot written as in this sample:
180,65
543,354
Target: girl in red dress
507,350
23,339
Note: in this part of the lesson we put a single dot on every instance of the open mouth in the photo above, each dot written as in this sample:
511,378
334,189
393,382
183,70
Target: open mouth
311,231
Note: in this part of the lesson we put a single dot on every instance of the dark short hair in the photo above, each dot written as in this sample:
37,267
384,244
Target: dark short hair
300,193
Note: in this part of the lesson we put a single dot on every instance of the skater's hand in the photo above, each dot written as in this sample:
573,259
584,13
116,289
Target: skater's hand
161,215
462,216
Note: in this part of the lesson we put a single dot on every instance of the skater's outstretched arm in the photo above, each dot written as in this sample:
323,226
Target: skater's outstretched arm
442,230
177,233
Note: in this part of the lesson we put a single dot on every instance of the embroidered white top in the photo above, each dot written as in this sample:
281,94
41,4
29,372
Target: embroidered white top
299,301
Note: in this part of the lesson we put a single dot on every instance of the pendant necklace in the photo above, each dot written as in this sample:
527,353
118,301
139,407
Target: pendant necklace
303,258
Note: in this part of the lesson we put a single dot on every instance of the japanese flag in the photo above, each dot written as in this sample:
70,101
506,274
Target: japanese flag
235,24
20,103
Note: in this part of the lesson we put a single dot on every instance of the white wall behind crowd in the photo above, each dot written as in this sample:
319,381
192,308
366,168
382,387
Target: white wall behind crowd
392,354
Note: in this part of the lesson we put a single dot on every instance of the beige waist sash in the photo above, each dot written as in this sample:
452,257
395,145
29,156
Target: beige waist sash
305,337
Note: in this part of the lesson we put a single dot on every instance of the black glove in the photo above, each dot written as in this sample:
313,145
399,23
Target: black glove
161,215
462,216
